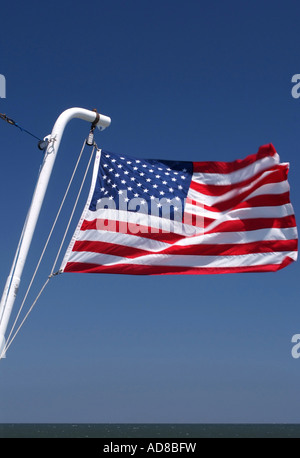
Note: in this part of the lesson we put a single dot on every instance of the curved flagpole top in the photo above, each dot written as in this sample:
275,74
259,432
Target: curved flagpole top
82,113
65,117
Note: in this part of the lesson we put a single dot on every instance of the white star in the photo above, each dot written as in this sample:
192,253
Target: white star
183,177
145,190
136,195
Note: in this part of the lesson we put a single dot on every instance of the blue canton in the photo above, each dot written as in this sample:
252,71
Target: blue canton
139,184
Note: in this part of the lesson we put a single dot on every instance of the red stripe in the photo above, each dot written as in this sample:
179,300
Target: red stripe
228,167
123,228
219,189
164,270
123,251
110,248
253,224
266,200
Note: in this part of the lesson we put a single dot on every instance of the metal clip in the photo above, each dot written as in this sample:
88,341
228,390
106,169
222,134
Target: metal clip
90,138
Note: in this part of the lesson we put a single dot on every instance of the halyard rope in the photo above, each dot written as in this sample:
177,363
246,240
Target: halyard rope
72,214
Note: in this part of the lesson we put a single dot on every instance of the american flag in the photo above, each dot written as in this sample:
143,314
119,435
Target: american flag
148,216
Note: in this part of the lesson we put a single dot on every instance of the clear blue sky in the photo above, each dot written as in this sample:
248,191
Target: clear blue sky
189,80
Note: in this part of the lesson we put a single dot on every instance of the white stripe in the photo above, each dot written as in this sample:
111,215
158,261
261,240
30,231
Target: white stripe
123,239
243,260
242,213
238,175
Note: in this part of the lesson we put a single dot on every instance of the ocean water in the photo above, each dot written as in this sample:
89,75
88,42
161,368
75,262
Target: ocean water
155,431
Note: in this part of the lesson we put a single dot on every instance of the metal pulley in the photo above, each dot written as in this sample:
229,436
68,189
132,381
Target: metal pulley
90,138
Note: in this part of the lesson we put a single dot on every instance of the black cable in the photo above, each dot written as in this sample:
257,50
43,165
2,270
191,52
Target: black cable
13,123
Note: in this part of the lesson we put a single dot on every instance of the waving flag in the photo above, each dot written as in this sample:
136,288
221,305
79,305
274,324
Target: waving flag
147,216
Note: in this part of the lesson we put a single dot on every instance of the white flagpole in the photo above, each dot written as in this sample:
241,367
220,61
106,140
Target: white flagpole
14,278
